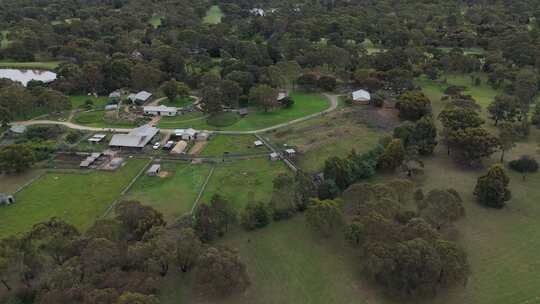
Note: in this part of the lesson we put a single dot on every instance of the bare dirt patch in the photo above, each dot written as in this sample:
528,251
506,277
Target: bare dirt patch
197,148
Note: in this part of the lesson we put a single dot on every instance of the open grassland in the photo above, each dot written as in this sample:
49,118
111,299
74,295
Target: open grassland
38,65
336,134
78,101
304,105
173,193
232,144
483,94
245,180
213,15
79,198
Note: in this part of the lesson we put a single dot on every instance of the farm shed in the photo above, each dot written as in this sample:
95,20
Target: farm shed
140,97
160,110
185,134
274,156
137,138
243,112
154,170
6,199
258,143
361,97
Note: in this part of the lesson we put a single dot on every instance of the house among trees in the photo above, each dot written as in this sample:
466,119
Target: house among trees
137,138
6,199
361,97
140,97
154,170
160,110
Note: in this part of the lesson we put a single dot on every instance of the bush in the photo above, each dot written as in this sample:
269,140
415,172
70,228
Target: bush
327,83
73,137
377,99
525,164
43,132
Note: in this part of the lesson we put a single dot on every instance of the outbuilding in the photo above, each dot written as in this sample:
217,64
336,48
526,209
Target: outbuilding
154,170
361,97
137,138
202,136
185,134
141,97
290,152
258,143
243,112
274,156
6,199
160,110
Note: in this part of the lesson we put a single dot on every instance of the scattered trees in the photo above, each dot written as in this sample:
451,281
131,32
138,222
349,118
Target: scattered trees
324,216
413,105
264,96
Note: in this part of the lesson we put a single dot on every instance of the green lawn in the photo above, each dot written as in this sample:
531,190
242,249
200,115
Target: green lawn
238,180
178,102
155,21
213,15
78,101
174,194
233,144
39,65
79,198
305,104
97,119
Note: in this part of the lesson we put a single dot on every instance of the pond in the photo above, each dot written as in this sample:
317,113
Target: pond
24,76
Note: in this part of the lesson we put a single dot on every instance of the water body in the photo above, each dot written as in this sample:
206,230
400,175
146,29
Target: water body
24,76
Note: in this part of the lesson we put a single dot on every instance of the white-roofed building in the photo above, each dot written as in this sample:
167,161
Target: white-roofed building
258,143
160,110
137,138
361,96
154,170
140,97
186,134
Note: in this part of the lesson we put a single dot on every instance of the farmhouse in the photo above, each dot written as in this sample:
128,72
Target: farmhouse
6,199
361,97
154,170
137,138
160,110
140,97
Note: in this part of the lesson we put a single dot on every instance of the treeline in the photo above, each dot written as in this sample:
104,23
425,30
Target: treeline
118,260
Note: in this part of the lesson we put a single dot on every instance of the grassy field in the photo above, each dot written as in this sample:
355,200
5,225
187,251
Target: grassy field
174,194
233,144
484,93
286,264
155,21
213,15
78,101
97,119
239,180
178,102
4,42
38,65
305,104
335,134
79,198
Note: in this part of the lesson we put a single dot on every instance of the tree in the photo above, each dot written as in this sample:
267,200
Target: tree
525,164
145,76
504,108
282,202
212,100
15,158
421,134
394,155
338,170
526,87
454,118
231,92
220,271
173,88
56,238
188,249
492,189
308,81
205,223
327,83
377,99
225,214
324,216
413,105
508,135
137,218
305,189
255,216
470,145
263,96
441,207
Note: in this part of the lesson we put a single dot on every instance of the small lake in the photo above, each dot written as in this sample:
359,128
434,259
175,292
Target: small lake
24,76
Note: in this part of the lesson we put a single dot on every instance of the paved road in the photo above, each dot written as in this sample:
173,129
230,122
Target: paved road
331,97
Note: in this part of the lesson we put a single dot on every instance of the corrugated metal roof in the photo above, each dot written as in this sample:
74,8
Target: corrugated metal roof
361,95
